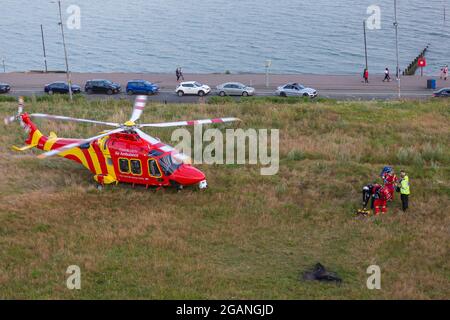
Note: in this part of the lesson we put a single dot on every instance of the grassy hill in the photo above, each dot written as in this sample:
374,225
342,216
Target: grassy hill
247,236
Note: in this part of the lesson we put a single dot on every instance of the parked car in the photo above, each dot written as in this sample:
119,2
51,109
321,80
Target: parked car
234,89
4,87
141,87
295,89
444,92
101,86
192,87
61,87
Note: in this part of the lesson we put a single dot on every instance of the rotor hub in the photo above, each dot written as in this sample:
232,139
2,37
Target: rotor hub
129,124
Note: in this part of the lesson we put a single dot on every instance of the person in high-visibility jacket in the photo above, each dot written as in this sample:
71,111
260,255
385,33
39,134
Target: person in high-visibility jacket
404,190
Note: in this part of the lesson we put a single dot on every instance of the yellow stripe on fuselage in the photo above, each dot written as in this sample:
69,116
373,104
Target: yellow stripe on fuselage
95,161
74,152
77,153
52,139
49,144
104,149
35,138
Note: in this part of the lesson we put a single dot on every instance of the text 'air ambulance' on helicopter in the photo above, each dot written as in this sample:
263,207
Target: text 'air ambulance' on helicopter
123,154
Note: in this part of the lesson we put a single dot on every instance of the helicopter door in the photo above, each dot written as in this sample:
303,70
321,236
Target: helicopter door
153,169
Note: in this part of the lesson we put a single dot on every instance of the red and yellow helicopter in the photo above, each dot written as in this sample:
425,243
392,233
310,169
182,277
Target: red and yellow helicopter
123,154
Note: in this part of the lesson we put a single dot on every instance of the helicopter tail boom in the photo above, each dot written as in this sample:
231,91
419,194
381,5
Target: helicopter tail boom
35,137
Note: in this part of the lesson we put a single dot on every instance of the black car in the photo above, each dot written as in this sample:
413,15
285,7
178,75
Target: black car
445,92
4,88
101,86
61,87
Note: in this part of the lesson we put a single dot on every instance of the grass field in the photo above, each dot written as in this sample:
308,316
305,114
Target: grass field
247,236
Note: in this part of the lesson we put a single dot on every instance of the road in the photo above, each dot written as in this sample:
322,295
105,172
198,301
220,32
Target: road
343,87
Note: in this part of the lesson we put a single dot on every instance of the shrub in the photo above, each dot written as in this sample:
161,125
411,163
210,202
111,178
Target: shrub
7,99
432,153
405,155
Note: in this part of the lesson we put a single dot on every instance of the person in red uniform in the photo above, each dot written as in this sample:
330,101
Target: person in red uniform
366,76
390,180
382,195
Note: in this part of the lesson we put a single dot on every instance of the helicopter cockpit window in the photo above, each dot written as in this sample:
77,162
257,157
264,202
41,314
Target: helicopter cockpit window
167,165
153,168
155,153
124,165
136,167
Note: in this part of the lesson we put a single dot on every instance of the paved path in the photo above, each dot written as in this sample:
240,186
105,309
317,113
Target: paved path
333,86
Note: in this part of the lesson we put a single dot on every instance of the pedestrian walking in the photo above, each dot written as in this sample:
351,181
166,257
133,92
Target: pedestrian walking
366,76
387,76
177,73
445,72
404,190
181,74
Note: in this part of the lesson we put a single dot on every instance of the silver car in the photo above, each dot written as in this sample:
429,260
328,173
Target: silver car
295,89
234,89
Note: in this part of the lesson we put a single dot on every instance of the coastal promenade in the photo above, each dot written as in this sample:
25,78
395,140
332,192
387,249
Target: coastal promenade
332,86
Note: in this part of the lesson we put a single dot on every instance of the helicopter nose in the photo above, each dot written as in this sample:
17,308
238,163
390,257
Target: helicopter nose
187,175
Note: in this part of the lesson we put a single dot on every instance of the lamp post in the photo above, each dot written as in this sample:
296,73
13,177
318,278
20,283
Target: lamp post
445,13
43,48
69,82
365,44
396,46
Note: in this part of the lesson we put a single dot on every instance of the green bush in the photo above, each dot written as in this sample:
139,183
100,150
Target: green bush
405,155
433,153
7,99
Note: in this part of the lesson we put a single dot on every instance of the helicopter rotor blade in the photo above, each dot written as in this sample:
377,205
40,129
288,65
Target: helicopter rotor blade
9,120
139,106
181,157
77,144
64,118
188,123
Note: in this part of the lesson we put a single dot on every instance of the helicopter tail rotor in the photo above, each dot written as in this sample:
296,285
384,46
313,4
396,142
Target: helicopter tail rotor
11,119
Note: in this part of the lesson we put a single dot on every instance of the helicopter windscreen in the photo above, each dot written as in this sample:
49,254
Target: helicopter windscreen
168,165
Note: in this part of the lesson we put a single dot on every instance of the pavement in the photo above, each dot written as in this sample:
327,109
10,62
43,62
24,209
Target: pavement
343,87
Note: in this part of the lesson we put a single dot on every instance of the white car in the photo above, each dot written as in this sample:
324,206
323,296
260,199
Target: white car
192,87
295,89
